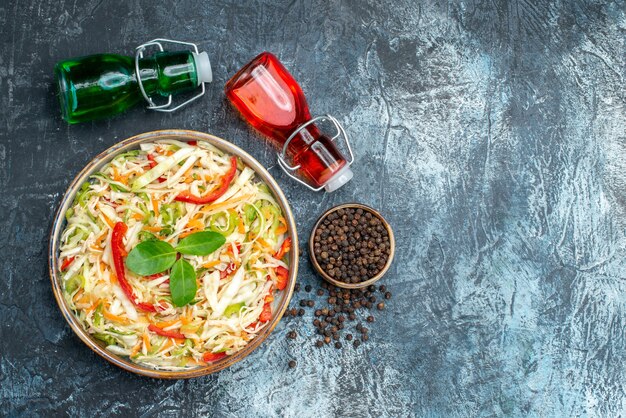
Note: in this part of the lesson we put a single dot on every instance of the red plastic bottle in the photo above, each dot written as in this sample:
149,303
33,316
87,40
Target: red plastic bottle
271,100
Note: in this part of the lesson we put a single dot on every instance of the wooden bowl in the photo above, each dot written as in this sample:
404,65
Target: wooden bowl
279,305
392,247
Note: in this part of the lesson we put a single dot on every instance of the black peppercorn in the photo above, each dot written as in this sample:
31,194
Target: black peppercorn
292,364
351,247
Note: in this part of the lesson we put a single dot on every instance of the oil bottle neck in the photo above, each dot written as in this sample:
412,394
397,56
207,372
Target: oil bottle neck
166,73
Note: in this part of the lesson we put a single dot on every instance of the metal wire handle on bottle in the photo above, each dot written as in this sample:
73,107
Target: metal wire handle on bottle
139,54
288,169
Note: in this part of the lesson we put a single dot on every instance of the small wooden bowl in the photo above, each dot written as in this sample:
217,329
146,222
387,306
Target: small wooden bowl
392,247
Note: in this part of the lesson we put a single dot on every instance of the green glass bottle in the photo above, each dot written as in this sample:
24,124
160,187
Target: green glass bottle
98,86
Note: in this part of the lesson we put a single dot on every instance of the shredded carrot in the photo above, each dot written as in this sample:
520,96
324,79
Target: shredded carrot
85,299
264,243
146,340
152,228
211,264
137,216
281,229
168,343
119,319
107,220
241,228
165,324
195,224
269,298
95,248
211,208
113,278
187,318
155,206
118,177
93,306
99,240
135,349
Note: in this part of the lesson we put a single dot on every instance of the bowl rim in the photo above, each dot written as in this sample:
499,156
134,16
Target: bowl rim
59,222
392,247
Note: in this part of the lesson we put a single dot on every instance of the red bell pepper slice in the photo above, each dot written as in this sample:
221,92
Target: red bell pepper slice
211,357
284,249
282,277
168,334
67,262
266,314
153,164
215,194
193,143
228,271
154,276
118,252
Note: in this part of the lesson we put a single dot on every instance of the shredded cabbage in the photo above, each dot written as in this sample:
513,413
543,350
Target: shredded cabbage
141,192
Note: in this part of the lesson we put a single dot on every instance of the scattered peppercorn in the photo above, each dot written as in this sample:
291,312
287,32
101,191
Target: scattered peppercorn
343,307
297,287
292,364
